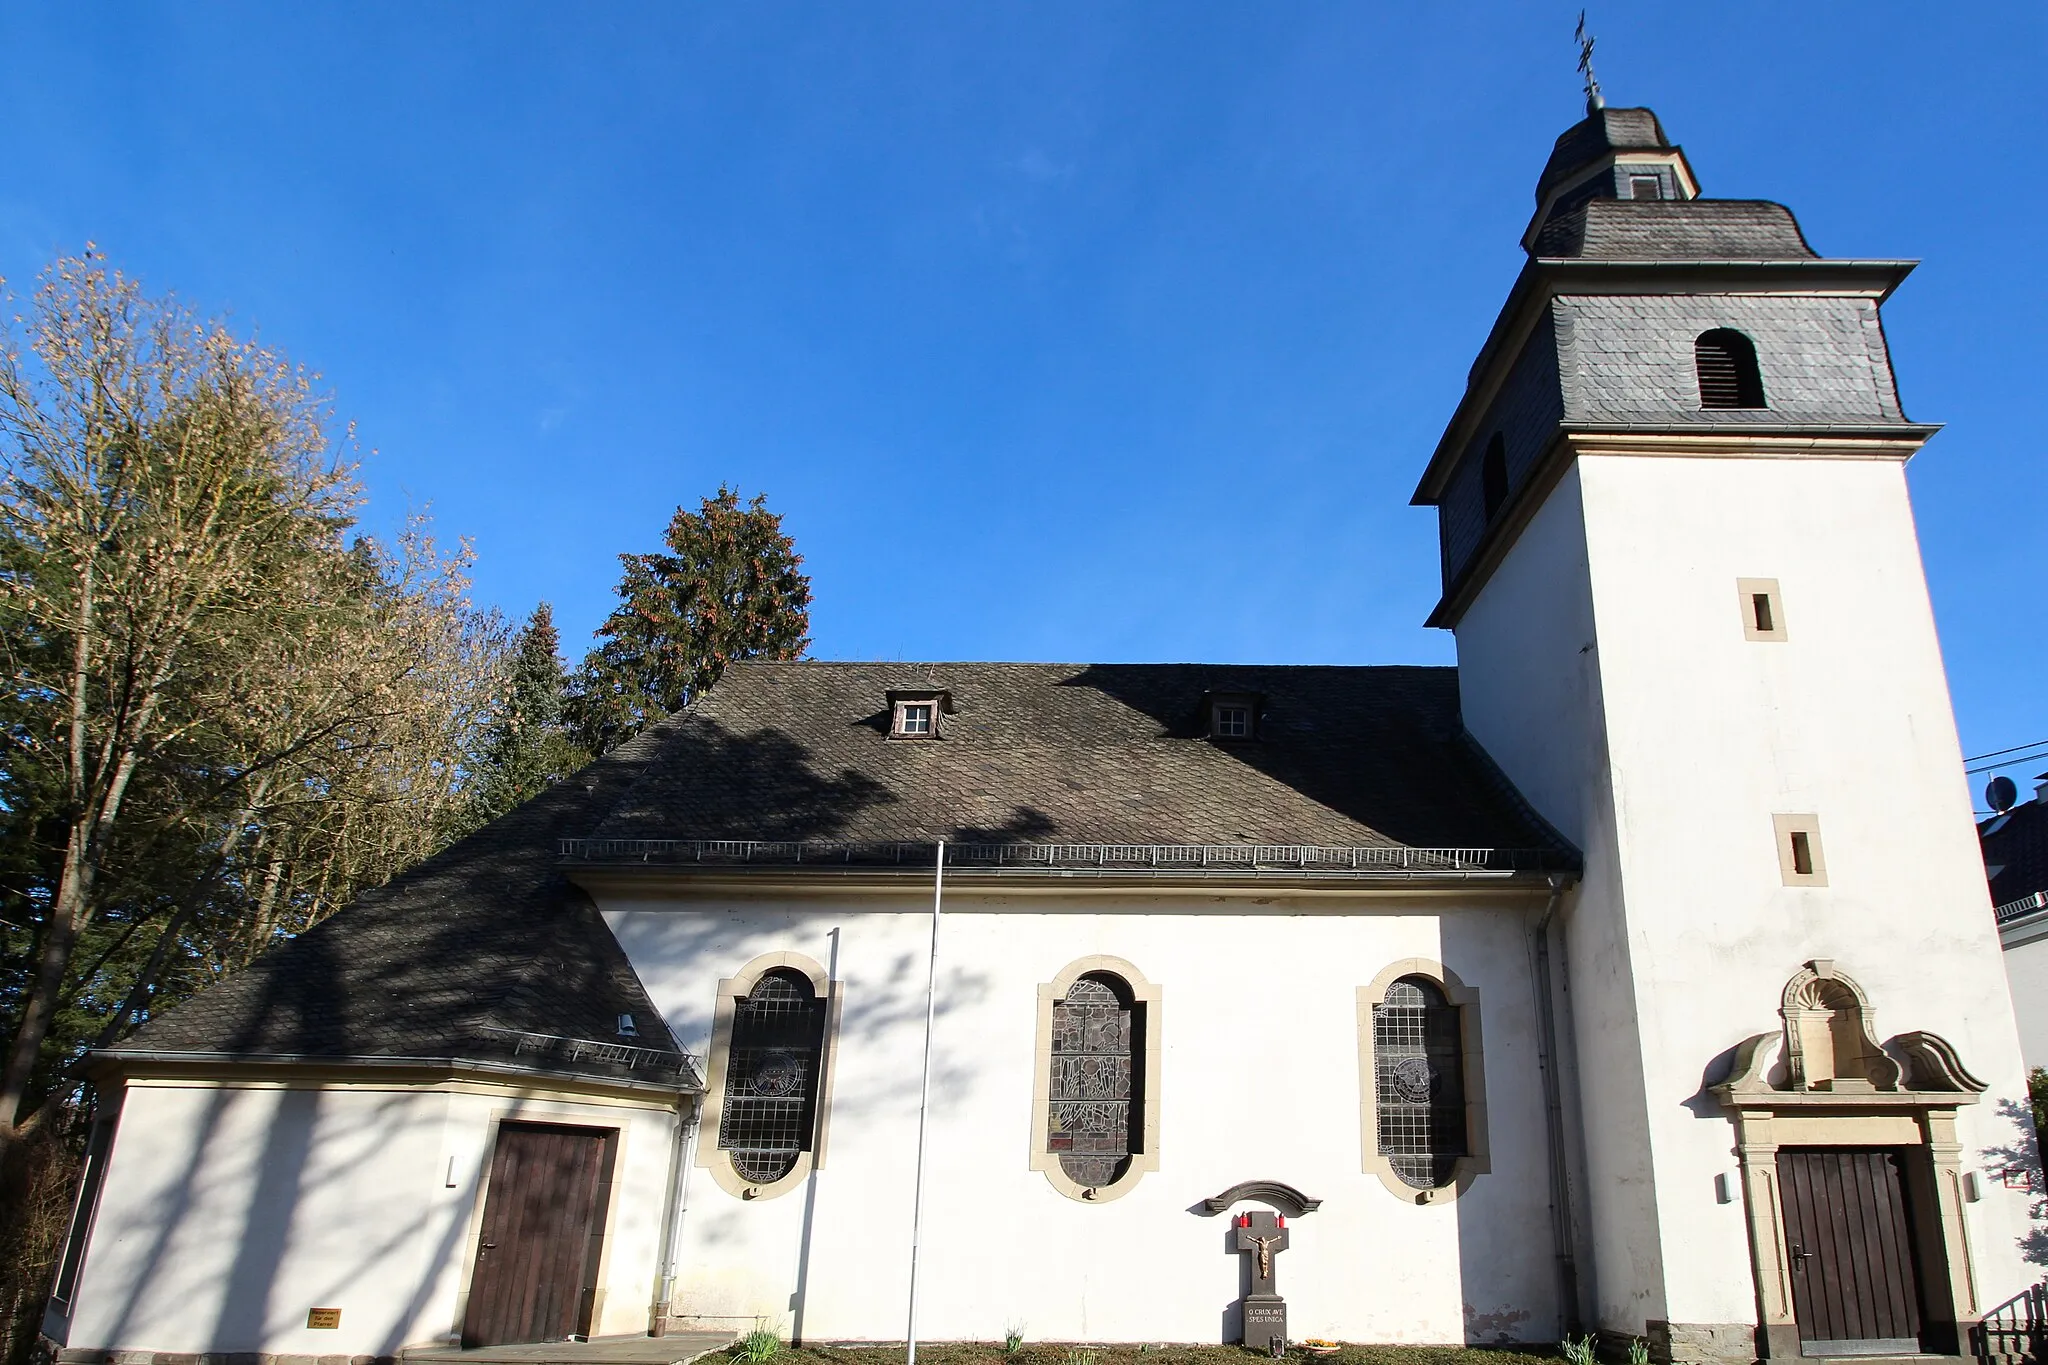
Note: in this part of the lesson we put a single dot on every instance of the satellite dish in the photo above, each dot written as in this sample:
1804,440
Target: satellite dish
2000,793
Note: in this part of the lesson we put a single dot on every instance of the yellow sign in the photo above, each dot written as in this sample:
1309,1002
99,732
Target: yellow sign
324,1317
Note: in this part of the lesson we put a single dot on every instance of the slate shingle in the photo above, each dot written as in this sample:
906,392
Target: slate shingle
2017,845
1077,753
489,934
485,936
1674,230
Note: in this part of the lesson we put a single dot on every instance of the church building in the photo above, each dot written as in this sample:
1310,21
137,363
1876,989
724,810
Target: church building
1637,975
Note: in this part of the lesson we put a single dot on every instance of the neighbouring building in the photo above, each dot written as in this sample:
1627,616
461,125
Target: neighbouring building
1636,973
2016,865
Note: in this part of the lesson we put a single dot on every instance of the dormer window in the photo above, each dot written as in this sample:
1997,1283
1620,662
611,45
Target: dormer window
916,715
1233,715
1645,187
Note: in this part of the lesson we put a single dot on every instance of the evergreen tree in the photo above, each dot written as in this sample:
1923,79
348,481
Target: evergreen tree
525,748
729,585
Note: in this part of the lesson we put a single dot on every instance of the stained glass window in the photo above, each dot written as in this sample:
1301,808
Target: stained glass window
771,1076
1097,1082
1419,1082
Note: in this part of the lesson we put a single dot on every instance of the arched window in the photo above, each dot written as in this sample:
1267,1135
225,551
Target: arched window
769,1072
1423,1092
771,1076
1493,476
1095,1125
1418,1082
1726,361
1093,1080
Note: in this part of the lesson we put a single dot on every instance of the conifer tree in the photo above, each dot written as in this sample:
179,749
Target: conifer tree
525,748
728,585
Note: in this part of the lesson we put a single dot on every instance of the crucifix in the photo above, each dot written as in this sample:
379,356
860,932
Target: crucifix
1594,99
1265,1312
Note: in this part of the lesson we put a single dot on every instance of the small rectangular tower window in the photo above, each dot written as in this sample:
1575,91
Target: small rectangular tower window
1763,608
1645,187
1799,855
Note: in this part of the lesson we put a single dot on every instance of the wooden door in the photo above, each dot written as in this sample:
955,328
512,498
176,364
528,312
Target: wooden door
1855,1287
536,1263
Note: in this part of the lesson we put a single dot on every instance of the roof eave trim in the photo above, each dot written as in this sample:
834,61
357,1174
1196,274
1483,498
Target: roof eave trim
1897,441
1204,881
205,1060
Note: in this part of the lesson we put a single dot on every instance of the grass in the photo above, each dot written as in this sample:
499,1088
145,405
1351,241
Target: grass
1059,1353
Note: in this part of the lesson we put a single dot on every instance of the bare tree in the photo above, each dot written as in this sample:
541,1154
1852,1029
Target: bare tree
228,708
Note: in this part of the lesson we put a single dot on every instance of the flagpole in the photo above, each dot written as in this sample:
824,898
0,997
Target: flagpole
924,1096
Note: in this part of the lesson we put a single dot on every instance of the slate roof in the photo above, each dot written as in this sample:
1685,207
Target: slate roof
483,942
1077,753
1674,230
490,935
1592,137
2016,844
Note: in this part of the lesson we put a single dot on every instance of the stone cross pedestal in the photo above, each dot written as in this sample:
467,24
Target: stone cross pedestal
1264,1236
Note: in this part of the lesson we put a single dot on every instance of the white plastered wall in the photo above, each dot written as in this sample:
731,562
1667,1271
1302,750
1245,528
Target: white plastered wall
1258,1080
230,1210
1529,685
2026,969
1706,735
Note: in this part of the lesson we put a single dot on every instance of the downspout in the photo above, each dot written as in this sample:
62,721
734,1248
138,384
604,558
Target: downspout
1553,1118
681,1155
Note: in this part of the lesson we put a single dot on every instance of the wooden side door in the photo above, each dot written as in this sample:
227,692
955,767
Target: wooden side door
537,1261
1855,1286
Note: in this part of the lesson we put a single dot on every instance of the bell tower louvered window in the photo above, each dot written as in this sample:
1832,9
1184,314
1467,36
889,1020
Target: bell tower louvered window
1419,1083
1097,1082
771,1076
1726,360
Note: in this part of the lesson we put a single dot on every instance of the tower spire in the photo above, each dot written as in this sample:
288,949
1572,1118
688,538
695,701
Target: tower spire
1595,101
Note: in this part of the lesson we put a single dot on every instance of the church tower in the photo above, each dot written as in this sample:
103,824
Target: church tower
1693,627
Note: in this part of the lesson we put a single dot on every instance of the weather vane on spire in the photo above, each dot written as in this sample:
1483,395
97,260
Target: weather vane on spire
1594,100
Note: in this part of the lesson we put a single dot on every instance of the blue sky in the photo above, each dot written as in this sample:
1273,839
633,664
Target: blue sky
1057,331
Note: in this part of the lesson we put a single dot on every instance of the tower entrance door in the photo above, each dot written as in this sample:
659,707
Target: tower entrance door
1850,1247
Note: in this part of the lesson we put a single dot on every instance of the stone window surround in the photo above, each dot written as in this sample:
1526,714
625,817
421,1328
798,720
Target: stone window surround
1477,1160
713,1158
1747,590
1146,996
1914,1108
1783,828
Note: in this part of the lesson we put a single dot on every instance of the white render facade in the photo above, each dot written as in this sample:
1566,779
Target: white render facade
2025,939
1683,850
1259,1078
